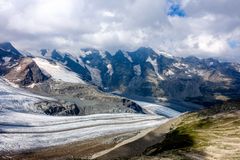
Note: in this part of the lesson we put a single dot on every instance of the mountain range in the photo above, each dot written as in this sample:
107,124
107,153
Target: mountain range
141,74
111,101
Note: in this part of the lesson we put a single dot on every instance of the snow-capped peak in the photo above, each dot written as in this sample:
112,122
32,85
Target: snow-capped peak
8,47
164,53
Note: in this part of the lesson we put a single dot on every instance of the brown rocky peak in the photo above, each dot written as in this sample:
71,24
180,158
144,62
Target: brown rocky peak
26,73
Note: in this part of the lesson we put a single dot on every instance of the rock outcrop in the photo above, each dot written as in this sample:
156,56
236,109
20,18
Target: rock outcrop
9,57
59,108
88,99
26,73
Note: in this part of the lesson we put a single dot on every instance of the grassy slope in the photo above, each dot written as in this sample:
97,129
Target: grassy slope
210,134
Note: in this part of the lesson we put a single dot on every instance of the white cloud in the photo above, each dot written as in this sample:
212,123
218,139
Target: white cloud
108,14
5,5
127,24
207,43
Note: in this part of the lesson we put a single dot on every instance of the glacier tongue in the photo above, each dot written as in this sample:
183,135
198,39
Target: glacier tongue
23,127
157,109
36,131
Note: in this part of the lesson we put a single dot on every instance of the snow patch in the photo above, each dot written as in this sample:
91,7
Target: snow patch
127,56
25,53
180,65
96,75
83,53
137,70
7,50
58,71
31,85
6,59
110,69
164,53
81,62
211,63
168,72
155,66
18,68
102,53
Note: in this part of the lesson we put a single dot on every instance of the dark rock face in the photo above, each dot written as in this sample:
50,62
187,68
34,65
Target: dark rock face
7,46
123,71
146,73
182,87
95,60
9,57
43,52
130,104
26,73
57,108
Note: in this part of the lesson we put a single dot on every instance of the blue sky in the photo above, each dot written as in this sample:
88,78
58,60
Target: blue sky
176,10
234,43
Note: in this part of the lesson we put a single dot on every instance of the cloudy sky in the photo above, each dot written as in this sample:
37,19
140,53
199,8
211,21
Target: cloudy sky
181,27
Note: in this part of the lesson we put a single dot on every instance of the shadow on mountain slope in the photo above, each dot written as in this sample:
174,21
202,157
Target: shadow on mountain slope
208,134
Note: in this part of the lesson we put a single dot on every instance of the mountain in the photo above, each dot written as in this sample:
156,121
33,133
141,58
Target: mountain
8,47
9,56
49,74
149,74
26,72
142,74
113,101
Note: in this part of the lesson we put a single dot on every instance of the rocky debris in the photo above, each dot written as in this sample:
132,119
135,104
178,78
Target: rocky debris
130,104
26,73
59,108
88,98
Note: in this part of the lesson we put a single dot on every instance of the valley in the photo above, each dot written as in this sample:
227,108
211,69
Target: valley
59,105
26,129
119,80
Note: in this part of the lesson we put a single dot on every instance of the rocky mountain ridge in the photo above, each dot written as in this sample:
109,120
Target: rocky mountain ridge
26,72
9,57
151,74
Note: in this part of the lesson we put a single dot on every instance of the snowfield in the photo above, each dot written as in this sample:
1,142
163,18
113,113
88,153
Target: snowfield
58,71
23,127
